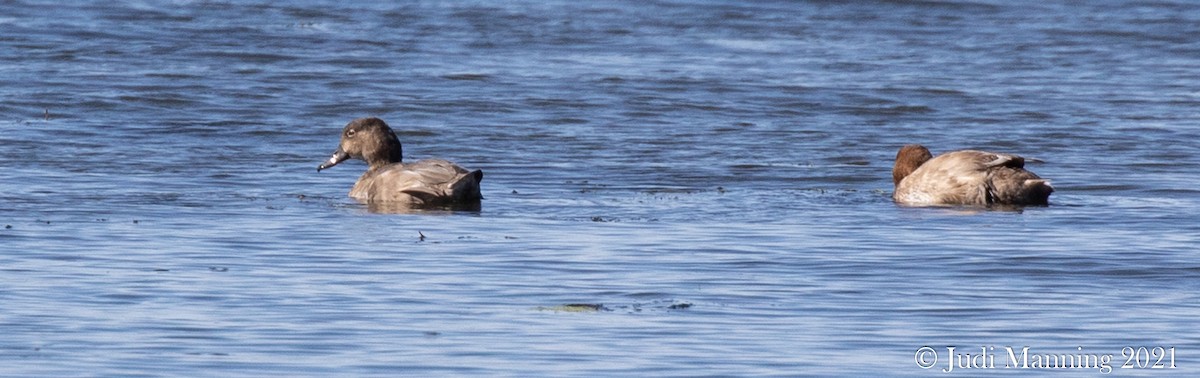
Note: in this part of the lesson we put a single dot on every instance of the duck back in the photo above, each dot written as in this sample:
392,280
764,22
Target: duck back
429,182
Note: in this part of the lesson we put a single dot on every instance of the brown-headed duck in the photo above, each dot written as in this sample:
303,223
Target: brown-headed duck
967,177
388,180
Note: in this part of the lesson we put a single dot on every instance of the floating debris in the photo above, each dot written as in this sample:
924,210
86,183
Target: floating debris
218,269
576,307
632,308
679,306
422,236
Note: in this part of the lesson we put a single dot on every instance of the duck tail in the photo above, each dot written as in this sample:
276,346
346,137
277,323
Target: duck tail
1037,191
466,188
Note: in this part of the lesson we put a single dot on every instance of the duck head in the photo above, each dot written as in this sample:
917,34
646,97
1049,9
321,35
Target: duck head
908,160
367,139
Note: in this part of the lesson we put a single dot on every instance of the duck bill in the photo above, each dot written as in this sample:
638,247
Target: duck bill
338,157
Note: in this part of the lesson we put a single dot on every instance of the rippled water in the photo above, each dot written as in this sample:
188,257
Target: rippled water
716,176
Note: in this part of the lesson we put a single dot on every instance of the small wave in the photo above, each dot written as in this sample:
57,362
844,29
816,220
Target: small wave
467,77
890,110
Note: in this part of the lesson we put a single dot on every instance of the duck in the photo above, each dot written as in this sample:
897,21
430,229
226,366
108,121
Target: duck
965,178
392,182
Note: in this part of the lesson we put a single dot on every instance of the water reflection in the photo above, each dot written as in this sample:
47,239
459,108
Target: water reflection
408,208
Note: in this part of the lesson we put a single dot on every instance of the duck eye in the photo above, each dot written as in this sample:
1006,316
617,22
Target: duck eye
350,133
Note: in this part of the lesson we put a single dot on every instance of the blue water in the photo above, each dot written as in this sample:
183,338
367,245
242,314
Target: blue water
715,176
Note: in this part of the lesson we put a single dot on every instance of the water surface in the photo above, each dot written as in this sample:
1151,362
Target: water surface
715,175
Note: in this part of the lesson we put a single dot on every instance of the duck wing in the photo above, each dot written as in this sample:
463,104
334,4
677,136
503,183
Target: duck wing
994,160
1005,180
1011,184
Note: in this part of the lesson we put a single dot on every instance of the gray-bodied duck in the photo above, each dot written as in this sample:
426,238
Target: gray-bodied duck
965,178
390,181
